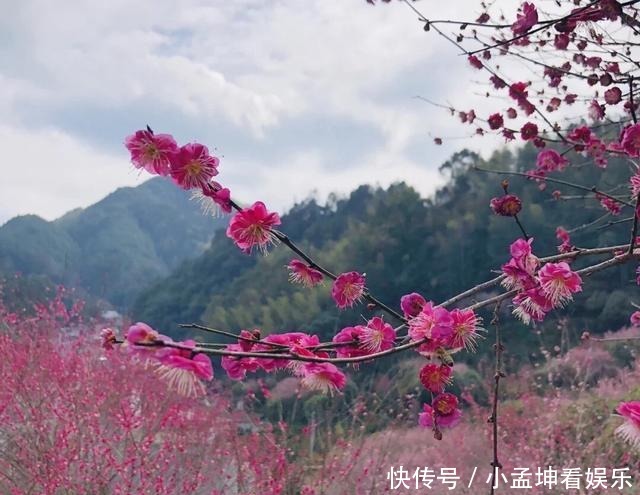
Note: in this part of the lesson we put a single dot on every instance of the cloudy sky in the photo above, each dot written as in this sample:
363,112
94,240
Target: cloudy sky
296,96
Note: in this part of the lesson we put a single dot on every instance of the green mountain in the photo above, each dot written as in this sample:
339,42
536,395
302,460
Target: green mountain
114,248
438,246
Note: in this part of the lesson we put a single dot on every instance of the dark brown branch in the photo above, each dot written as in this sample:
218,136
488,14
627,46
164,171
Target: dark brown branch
493,419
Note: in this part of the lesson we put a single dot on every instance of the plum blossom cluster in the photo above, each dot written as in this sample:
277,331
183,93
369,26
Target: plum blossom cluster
320,376
439,333
539,288
434,331
579,96
192,167
178,363
550,160
441,329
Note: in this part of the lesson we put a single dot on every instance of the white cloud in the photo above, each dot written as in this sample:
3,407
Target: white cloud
305,172
48,172
248,70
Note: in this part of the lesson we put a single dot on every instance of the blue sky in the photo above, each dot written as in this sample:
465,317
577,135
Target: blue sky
299,97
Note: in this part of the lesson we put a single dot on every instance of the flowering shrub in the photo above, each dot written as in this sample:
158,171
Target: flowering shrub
101,422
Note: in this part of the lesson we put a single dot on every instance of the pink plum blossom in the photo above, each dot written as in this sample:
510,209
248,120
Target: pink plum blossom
635,318
609,204
302,273
497,82
596,111
349,338
323,377
518,91
561,41
108,337
412,304
475,62
604,9
248,339
612,96
559,283
531,305
521,248
517,276
520,269
563,236
629,431
183,368
152,152
431,323
290,339
529,131
220,196
141,333
348,289
193,167
508,205
238,367
596,149
630,140
252,226
635,184
495,121
525,20
551,161
442,413
377,335
305,347
435,377
466,325
581,134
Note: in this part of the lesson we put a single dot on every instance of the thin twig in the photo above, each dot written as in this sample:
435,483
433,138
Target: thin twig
498,374
634,227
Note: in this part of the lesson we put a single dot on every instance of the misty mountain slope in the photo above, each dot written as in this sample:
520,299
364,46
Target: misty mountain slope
114,248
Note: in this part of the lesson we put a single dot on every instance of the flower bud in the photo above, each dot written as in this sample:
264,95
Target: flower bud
508,205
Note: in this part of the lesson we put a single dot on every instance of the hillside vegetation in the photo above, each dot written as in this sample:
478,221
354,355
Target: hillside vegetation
114,248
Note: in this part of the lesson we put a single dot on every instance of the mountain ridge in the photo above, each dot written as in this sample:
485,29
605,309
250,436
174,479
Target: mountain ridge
113,248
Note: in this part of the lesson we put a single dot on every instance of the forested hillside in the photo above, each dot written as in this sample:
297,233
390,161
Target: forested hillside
437,246
112,249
